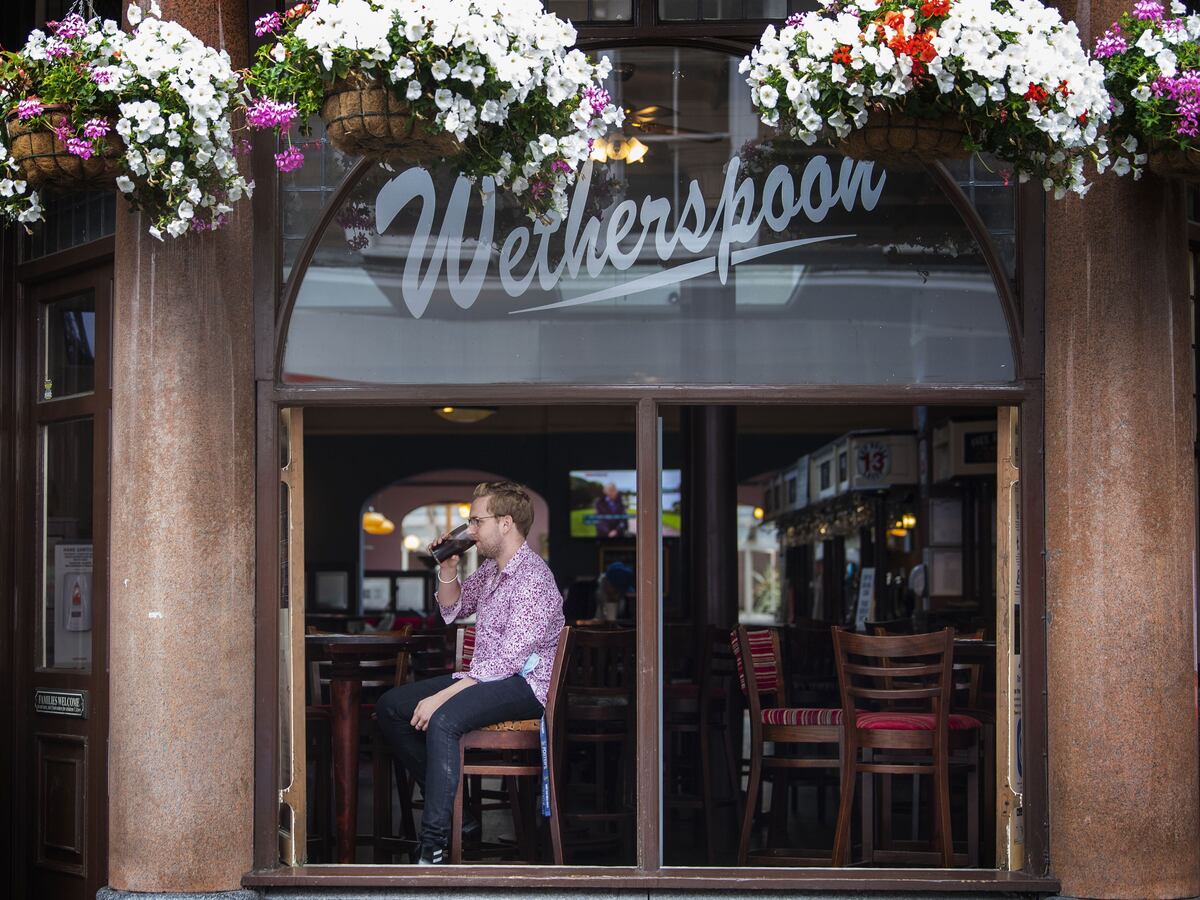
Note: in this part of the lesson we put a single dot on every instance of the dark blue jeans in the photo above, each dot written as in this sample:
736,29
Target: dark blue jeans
432,756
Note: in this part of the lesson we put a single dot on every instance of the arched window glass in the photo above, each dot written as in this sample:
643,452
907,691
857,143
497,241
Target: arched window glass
699,249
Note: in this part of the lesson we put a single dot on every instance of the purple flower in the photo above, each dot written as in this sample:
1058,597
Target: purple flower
598,97
57,49
79,147
794,20
95,128
538,189
268,24
1148,10
62,132
289,160
357,241
70,28
265,113
560,165
1184,90
29,108
100,76
1111,44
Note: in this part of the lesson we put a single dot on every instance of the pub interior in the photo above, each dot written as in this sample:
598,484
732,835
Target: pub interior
785,521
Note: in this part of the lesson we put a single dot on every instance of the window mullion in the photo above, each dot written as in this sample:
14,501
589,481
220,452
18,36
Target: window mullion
649,656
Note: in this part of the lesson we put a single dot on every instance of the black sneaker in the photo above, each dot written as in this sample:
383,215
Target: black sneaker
432,856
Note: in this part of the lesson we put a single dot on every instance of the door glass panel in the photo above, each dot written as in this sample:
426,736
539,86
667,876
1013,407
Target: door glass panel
698,248
66,620
68,346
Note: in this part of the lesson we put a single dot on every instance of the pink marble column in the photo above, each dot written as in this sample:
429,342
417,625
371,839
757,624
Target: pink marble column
182,559
1120,508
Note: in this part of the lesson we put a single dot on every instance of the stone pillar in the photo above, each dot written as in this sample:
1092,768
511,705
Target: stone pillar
1120,539
181,763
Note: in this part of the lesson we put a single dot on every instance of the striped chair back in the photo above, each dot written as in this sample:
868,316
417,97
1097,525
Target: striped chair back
464,648
764,656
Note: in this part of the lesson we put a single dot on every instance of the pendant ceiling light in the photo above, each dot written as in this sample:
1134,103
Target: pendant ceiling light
377,523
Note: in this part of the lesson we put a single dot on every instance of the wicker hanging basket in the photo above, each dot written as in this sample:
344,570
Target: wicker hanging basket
363,117
900,141
1175,163
45,161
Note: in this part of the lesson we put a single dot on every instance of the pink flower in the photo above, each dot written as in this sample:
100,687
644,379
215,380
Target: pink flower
1111,44
538,189
62,132
289,160
1148,10
96,128
560,165
268,24
79,147
28,108
100,76
57,49
265,113
599,98
70,28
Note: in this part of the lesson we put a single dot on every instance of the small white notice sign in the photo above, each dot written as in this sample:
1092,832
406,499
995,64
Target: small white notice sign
866,599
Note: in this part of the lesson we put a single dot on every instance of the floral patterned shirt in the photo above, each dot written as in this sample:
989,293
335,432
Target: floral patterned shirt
518,613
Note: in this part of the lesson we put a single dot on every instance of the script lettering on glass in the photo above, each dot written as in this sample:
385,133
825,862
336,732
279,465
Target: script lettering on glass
715,243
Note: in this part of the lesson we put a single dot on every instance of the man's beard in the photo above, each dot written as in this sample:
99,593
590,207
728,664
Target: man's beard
486,551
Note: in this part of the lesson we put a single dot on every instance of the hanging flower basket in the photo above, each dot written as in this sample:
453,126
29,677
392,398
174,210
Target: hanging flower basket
900,141
1175,163
1151,59
44,160
905,82
149,110
363,117
492,85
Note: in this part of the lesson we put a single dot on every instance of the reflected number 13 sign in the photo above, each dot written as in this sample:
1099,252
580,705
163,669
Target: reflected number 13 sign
873,461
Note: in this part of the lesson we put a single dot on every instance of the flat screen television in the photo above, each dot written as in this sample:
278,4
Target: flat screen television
604,503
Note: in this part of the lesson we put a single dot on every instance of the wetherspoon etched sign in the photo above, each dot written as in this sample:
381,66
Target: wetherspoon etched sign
689,245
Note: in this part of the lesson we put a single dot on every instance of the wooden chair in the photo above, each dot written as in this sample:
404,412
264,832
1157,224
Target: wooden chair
522,736
760,671
600,717
968,754
896,696
702,709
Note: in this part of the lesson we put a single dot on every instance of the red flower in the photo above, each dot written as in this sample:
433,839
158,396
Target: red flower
1036,93
935,8
1083,118
1063,89
842,55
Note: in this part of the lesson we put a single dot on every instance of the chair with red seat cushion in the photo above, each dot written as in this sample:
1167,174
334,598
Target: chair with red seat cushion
897,691
760,671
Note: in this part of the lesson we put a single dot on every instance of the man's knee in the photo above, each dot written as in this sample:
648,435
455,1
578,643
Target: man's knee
444,724
396,705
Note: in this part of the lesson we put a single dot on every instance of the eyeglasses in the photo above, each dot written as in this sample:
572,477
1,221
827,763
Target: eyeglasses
475,520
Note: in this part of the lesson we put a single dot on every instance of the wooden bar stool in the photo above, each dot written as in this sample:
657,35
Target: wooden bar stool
600,720
518,737
701,709
760,670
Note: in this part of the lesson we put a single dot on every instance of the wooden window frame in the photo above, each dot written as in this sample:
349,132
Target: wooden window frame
1025,320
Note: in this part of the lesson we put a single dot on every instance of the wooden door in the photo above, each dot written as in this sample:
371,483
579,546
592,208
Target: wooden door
61,569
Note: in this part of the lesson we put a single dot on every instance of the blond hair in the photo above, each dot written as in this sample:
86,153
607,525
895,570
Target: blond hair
507,498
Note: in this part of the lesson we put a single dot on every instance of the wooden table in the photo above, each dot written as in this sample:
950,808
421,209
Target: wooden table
347,653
